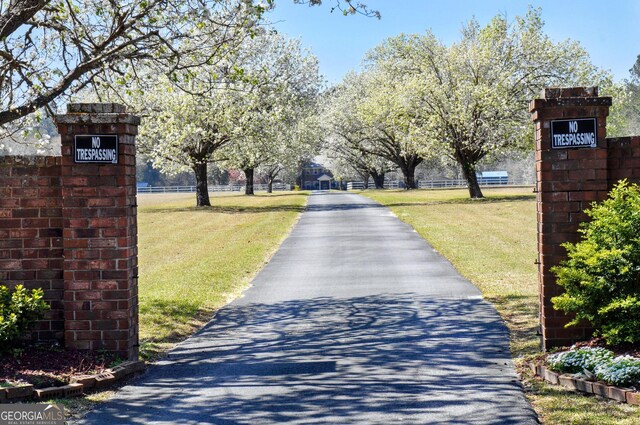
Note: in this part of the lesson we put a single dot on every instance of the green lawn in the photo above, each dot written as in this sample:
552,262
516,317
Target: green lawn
492,242
193,260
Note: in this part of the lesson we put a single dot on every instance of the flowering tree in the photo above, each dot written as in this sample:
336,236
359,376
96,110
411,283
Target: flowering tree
272,117
347,162
469,100
364,131
300,142
56,48
347,135
624,115
182,131
252,108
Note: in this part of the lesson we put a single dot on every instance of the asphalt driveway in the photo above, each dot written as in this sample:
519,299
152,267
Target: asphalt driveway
355,320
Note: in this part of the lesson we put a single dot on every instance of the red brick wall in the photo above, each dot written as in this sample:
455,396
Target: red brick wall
568,181
623,159
71,229
100,236
31,233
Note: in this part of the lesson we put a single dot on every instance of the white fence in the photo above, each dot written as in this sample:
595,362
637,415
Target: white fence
438,184
212,188
355,185
372,185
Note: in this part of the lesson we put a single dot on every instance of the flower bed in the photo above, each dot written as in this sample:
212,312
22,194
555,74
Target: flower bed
594,370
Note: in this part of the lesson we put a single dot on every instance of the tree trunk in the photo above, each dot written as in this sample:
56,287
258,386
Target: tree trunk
378,179
202,189
271,177
248,173
365,179
409,173
469,171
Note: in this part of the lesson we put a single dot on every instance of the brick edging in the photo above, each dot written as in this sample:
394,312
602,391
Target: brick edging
623,395
77,386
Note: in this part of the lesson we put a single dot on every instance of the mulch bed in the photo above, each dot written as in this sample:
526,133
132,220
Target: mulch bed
50,366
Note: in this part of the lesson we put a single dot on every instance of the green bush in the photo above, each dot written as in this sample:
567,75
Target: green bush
19,310
601,276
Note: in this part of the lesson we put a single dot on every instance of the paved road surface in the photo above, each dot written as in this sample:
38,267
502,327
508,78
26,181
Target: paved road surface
356,320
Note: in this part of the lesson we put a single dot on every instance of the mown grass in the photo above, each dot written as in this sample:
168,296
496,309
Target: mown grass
492,242
193,260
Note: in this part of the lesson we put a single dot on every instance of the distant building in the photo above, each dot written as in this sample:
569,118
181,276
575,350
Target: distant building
493,177
315,177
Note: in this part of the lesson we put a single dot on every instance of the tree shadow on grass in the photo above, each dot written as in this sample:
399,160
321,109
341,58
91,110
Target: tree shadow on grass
262,195
342,207
222,209
225,209
521,314
375,359
486,200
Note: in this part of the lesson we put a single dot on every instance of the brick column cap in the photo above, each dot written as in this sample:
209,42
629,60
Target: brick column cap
569,96
96,108
564,92
97,113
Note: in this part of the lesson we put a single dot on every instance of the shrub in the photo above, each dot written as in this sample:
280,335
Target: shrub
576,360
601,276
621,371
19,310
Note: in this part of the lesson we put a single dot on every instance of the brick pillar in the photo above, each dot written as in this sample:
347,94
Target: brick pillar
100,231
568,180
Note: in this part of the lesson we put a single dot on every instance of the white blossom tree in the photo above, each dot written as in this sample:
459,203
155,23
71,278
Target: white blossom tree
253,108
300,142
360,117
182,131
469,100
272,117
52,49
347,161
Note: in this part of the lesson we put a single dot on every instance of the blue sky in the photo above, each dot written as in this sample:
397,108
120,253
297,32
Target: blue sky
608,29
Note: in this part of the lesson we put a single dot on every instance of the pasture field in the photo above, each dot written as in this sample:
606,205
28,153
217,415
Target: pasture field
194,260
492,242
